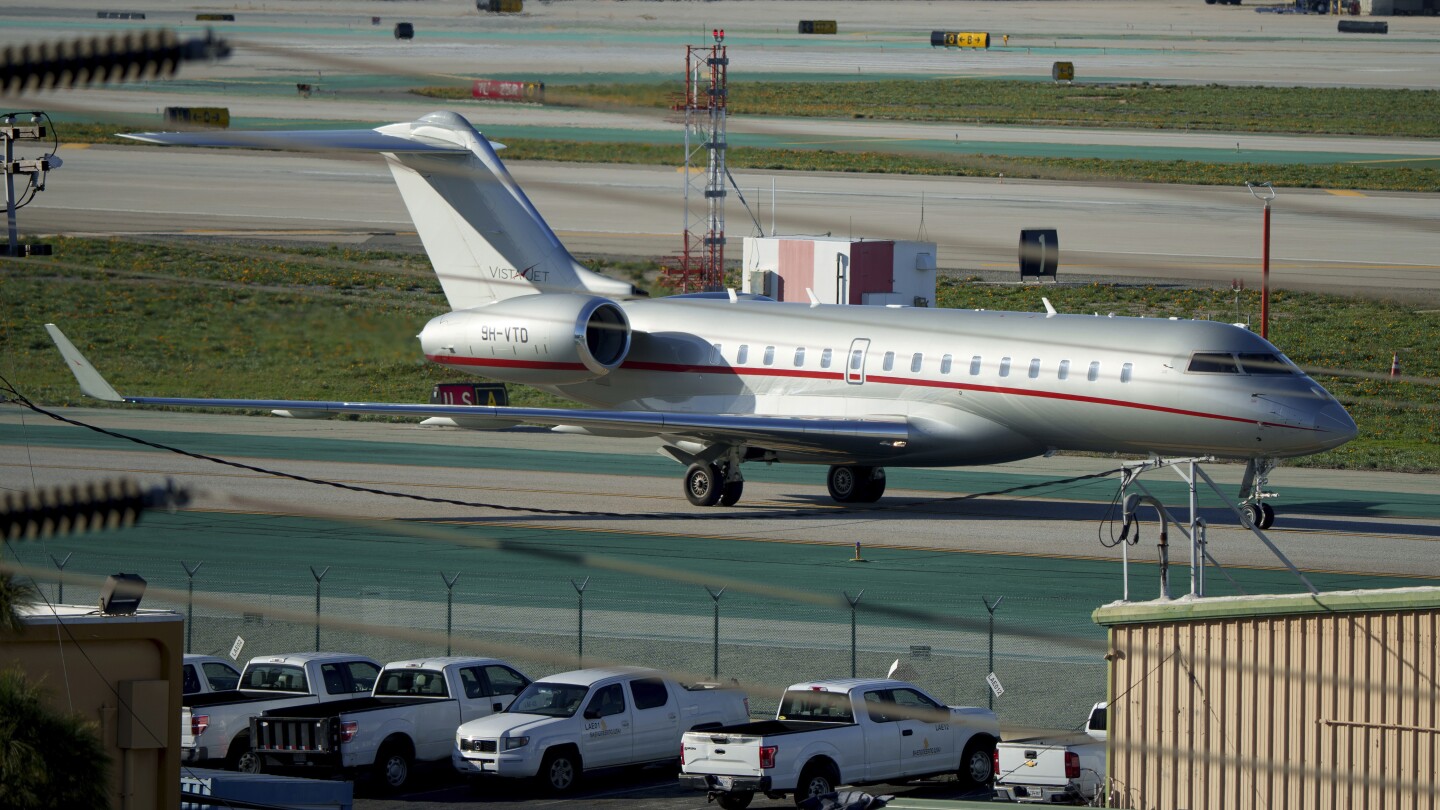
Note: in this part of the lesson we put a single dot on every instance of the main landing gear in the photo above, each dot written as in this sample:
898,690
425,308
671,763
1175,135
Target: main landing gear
854,484
709,484
712,477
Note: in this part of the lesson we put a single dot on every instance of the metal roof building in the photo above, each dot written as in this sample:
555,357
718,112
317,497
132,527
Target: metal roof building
1316,701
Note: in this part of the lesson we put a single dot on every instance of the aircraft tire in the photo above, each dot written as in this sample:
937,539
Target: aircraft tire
846,482
1267,516
874,486
730,493
1254,513
704,486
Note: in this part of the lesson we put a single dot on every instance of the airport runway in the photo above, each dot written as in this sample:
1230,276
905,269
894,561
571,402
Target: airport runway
1350,242
1109,40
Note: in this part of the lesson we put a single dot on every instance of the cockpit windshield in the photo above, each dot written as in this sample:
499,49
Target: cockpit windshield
1213,363
1264,364
1242,363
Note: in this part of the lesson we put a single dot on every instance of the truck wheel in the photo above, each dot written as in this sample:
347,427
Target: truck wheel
392,767
977,764
560,771
734,801
241,758
816,780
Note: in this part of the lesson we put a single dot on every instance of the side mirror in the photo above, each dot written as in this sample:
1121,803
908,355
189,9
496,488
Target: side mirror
592,714
498,707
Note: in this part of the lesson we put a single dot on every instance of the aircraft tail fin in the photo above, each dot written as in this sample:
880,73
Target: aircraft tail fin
484,237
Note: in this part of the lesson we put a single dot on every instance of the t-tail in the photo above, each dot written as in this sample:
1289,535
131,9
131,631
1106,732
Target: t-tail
484,237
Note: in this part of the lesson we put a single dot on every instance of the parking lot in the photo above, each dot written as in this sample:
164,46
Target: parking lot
650,788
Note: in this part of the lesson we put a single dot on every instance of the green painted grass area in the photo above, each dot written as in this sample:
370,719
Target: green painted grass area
207,319
271,555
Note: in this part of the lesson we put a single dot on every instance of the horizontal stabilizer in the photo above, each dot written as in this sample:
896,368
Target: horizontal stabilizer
351,140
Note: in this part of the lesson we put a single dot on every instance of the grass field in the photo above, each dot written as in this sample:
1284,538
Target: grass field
1216,108
199,318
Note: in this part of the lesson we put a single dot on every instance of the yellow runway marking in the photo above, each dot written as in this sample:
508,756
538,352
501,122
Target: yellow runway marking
1341,192
75,146
834,141
1416,159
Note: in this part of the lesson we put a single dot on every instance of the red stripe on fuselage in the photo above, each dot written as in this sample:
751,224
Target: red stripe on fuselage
674,368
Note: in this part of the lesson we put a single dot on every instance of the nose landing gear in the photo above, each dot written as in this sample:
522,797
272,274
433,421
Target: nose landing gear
1253,493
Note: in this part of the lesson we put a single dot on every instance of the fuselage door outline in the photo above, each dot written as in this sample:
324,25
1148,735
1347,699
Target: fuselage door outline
855,361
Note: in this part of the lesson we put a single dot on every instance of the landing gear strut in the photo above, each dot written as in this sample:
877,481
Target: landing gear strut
854,484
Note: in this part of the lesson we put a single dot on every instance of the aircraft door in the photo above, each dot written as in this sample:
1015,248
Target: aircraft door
855,361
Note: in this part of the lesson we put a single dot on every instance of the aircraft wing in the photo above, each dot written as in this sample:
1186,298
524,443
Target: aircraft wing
826,435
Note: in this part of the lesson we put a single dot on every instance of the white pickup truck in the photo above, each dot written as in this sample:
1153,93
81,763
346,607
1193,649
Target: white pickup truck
207,673
410,717
566,724
215,726
1054,770
851,731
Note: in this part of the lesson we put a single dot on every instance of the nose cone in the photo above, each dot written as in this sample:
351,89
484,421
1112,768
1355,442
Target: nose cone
1335,426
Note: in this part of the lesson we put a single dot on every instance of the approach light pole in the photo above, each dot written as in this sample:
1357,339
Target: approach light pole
1265,256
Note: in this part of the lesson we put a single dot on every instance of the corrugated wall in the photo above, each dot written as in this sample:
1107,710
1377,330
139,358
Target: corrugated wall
1313,710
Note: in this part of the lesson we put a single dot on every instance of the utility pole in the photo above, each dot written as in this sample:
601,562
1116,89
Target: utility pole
1265,256
12,130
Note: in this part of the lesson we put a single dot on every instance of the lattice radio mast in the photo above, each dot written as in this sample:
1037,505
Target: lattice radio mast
702,258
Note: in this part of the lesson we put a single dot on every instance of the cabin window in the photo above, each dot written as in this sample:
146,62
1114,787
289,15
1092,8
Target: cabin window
856,357
769,355
825,358
800,357
1004,367
915,360
945,364
975,366
889,363
1034,368
1264,364
1094,373
717,355
1212,363
742,355
1064,370
1125,372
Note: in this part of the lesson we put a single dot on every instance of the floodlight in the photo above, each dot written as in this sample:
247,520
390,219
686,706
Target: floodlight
120,595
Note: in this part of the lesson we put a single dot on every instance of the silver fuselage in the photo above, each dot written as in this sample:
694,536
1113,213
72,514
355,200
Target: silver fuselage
1016,384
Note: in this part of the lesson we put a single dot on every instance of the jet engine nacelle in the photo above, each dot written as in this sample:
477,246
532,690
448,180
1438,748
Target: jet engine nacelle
543,339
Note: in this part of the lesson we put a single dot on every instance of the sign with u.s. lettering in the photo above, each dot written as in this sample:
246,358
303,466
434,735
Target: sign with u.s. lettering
484,394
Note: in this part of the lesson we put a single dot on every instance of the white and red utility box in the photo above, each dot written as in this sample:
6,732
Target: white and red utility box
841,271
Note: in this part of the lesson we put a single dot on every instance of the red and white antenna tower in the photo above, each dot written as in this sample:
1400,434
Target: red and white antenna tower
702,258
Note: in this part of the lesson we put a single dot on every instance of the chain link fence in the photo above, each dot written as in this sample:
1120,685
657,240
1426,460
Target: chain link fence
609,619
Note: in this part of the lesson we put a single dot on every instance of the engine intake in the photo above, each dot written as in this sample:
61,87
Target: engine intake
543,339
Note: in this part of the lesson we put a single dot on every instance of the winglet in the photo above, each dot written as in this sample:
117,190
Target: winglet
91,383
1049,308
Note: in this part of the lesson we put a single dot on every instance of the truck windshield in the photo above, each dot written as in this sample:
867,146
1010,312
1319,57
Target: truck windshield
824,707
549,699
275,678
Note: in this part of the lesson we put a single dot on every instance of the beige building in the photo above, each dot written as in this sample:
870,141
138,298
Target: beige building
123,672
1264,702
